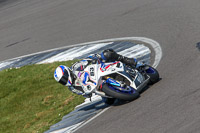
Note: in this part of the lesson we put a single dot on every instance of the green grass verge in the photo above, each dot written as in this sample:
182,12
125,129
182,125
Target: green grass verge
31,100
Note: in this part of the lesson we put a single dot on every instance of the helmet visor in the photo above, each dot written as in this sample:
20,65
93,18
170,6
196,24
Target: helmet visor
65,77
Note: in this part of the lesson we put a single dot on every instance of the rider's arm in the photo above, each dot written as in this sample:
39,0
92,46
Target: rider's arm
77,90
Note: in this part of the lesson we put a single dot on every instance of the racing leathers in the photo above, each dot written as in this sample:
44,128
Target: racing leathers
108,55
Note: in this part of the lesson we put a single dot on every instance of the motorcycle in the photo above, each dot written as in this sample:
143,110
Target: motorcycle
115,80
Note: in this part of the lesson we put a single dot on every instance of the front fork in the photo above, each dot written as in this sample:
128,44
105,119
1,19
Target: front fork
117,83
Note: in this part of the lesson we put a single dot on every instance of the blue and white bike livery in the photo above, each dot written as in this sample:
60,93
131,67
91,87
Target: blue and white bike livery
117,80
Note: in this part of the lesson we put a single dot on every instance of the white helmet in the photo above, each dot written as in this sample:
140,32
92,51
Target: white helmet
63,75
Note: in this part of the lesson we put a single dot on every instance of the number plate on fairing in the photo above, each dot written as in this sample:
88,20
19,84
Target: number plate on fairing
139,79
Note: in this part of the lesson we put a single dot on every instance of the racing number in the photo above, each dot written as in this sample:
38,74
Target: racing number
92,71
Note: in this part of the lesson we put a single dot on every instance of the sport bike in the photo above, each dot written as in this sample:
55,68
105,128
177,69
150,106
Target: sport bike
118,80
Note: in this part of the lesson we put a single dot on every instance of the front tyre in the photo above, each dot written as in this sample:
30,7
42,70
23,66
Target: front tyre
153,74
115,93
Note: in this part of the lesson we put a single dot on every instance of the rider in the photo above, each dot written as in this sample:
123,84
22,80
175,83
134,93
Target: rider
72,77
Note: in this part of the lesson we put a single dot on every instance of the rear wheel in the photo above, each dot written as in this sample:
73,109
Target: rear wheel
119,93
153,74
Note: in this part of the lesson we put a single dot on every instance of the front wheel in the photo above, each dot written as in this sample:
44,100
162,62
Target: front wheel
117,92
153,74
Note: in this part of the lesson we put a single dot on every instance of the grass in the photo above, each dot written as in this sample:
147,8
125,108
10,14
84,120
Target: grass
31,100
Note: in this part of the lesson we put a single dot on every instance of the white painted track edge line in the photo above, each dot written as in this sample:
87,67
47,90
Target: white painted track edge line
154,44
104,110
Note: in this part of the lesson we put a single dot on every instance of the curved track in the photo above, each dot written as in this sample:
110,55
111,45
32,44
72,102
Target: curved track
171,105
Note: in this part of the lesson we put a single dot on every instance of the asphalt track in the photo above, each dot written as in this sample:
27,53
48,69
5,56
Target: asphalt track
171,105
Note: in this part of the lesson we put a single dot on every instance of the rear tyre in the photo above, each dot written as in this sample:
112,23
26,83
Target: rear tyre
110,91
153,74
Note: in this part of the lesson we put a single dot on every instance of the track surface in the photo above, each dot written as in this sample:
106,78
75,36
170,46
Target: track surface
171,105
